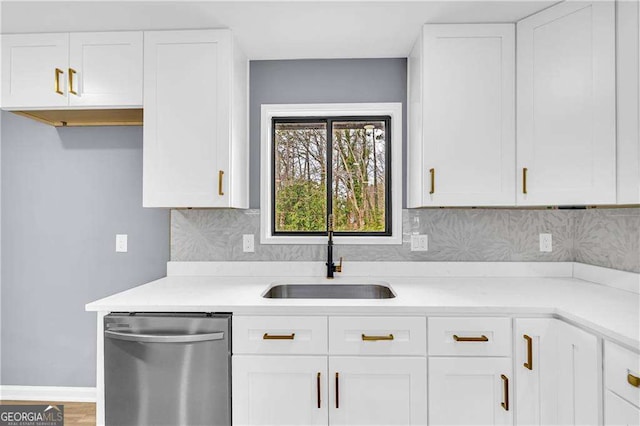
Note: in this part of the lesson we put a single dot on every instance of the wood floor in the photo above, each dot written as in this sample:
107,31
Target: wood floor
75,413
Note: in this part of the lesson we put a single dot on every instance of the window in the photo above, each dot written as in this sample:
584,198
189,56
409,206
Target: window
343,160
331,165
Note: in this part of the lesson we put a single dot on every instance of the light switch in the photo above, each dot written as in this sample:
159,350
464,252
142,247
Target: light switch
121,243
419,242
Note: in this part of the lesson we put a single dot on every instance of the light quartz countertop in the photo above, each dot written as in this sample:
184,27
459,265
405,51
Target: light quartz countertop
612,313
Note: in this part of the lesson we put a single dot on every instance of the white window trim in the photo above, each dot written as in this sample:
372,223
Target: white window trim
270,111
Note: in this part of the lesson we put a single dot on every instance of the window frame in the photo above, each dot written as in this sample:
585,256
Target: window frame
327,113
328,121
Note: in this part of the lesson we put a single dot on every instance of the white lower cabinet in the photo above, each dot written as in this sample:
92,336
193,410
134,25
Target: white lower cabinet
560,382
470,391
378,391
280,390
617,411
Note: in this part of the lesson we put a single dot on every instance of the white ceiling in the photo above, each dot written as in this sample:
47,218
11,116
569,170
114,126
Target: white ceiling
269,29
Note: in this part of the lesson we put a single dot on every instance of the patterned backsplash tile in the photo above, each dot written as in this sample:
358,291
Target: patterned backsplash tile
603,237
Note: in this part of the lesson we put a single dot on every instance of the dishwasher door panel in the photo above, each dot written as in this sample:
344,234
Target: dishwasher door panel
155,376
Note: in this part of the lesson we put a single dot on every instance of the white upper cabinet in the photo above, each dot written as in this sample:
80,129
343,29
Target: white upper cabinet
567,105
195,119
105,69
34,70
462,116
628,80
60,71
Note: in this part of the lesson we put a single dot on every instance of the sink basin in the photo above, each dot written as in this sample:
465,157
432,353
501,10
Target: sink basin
329,291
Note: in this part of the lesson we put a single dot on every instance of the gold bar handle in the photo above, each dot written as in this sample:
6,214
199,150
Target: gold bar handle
633,380
337,391
318,389
505,403
482,338
374,338
432,172
529,363
220,177
524,180
57,81
71,73
268,336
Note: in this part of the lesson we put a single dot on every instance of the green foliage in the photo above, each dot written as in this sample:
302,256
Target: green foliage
301,205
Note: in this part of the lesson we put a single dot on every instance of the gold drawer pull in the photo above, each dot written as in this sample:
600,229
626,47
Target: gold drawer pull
505,403
373,338
482,338
432,172
529,363
57,81
268,336
633,380
524,180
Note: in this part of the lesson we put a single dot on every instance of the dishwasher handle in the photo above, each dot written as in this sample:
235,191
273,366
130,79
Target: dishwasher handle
164,338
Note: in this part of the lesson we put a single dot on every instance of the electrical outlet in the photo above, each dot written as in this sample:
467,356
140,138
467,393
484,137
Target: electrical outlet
248,244
121,243
419,242
546,244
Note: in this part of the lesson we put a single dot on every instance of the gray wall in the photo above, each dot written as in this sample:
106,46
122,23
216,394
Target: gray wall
65,194
322,81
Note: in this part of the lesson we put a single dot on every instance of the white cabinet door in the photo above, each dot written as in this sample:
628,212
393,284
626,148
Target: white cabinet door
567,105
577,371
618,412
34,70
378,391
470,391
187,76
105,69
536,370
286,390
628,90
465,148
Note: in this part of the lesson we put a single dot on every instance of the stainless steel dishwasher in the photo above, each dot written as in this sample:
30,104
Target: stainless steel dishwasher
167,369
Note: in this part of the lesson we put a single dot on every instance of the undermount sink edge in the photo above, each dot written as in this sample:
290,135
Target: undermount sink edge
329,291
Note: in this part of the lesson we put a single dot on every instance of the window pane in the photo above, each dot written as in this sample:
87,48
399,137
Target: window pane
300,176
359,175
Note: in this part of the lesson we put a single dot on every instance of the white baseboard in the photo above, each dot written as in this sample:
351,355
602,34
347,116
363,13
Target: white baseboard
47,393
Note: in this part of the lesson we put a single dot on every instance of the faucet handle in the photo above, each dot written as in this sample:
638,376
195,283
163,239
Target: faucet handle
339,267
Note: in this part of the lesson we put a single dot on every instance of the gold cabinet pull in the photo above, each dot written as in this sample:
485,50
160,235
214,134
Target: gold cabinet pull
318,389
57,81
220,176
524,180
482,338
71,73
374,338
268,336
633,380
337,391
432,172
505,403
529,363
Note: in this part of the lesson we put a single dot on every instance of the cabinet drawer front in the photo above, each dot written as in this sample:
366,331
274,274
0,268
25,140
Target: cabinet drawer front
470,336
377,335
622,372
279,335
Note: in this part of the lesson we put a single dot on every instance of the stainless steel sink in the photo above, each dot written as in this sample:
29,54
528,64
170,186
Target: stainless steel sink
329,291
